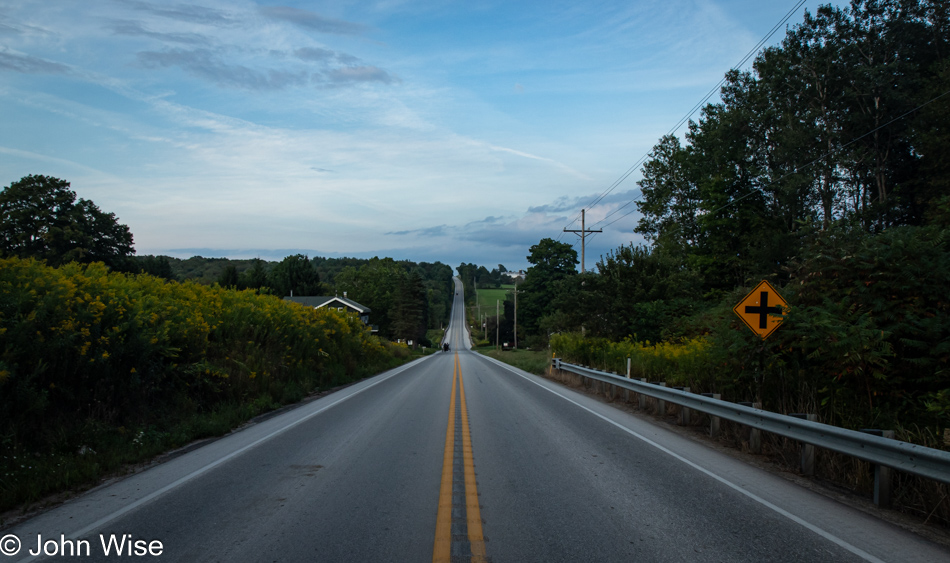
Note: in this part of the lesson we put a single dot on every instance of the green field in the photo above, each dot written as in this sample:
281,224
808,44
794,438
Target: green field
488,298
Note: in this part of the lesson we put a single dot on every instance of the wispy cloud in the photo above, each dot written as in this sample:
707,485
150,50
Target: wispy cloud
565,204
437,231
359,74
18,62
312,21
317,54
11,28
208,65
183,12
135,29
204,64
523,154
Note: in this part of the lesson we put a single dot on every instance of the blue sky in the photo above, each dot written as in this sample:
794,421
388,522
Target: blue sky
421,130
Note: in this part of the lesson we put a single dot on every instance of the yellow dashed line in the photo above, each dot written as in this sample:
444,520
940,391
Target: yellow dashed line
442,550
472,509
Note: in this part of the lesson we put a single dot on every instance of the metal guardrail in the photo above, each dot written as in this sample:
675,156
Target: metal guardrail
903,456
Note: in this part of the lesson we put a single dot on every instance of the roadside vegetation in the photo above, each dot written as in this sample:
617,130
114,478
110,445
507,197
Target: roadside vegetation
406,297
531,361
101,368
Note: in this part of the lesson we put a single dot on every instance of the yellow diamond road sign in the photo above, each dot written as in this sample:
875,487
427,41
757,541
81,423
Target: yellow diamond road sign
762,310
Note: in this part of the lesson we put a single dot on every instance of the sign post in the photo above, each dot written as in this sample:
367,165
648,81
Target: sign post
763,311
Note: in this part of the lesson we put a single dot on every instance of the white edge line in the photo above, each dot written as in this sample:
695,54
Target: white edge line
198,472
827,535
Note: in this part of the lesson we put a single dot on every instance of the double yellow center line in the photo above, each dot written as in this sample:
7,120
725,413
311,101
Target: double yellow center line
442,549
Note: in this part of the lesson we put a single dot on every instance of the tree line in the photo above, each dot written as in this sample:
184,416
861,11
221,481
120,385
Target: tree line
407,298
42,218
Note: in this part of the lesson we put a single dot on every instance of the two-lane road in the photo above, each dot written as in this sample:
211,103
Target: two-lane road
456,457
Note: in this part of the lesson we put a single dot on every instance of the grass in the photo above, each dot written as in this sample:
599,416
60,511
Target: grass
531,361
488,298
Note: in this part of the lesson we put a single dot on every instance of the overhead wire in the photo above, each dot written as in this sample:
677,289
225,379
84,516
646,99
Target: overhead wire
682,121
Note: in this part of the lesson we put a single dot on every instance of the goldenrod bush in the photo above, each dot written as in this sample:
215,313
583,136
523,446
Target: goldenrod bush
82,347
684,363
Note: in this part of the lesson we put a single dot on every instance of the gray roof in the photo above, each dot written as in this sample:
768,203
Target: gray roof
318,301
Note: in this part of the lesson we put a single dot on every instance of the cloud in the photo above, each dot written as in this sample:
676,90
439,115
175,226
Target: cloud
312,21
29,64
497,232
10,27
438,231
183,12
490,220
563,167
203,63
565,203
359,74
206,64
560,205
132,28
511,232
316,54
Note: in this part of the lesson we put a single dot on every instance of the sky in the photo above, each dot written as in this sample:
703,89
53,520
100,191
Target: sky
430,130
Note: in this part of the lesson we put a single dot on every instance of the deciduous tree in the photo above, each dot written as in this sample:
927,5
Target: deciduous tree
41,218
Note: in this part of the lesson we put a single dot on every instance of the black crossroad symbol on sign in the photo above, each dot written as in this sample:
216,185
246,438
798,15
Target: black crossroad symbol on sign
763,310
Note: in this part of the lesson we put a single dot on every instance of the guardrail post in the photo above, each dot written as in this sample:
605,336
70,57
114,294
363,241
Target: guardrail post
808,450
713,420
755,435
641,397
685,415
882,474
626,392
660,404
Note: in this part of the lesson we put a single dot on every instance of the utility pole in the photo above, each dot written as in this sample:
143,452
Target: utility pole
583,234
516,292
497,321
475,289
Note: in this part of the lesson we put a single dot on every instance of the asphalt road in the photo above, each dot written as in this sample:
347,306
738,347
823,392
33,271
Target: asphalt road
458,458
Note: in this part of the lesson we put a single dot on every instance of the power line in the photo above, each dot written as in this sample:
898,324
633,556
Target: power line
689,114
615,211
619,218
